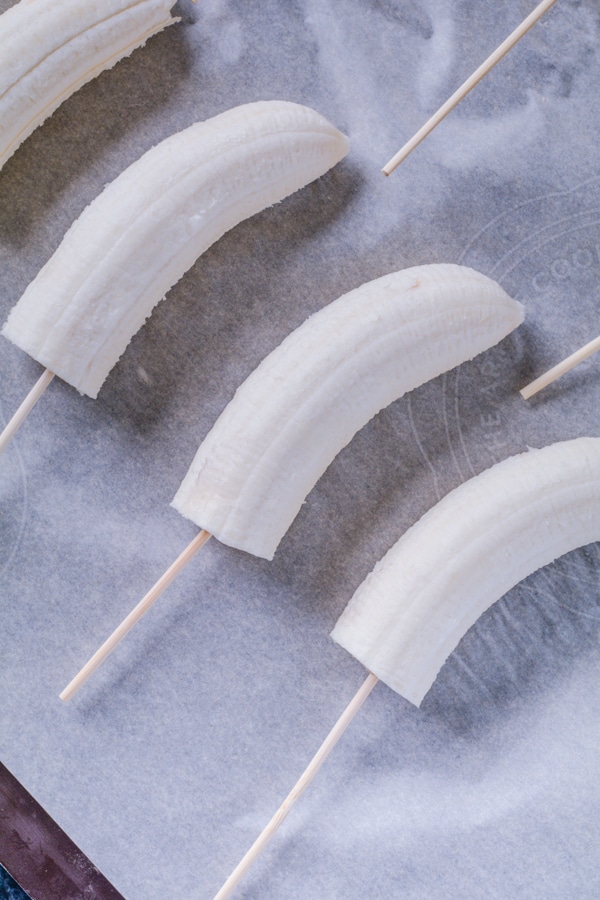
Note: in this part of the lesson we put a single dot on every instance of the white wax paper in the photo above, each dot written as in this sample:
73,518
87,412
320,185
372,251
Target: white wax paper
169,762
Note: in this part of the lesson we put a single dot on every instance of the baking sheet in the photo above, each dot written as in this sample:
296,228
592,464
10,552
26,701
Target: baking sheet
38,860
167,765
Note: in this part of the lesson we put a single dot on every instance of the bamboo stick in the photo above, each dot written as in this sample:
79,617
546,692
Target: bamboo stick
134,616
468,85
305,779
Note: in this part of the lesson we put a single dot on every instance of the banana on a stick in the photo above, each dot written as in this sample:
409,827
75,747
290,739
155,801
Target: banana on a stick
307,399
464,554
50,48
147,227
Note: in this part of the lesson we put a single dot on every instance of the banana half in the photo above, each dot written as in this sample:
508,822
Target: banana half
464,554
50,48
327,379
147,227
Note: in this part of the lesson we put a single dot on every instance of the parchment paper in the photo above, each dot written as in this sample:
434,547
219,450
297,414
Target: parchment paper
167,765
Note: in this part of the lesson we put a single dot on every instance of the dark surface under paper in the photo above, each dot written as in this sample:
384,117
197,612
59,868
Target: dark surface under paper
39,861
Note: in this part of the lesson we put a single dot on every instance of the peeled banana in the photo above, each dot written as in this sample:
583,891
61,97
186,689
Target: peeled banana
147,227
307,399
464,554
50,48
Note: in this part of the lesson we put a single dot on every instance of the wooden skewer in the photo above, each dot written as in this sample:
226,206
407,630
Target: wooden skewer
468,85
135,615
560,368
309,773
25,408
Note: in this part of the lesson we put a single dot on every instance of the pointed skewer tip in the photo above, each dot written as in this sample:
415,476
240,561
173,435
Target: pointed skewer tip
134,616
